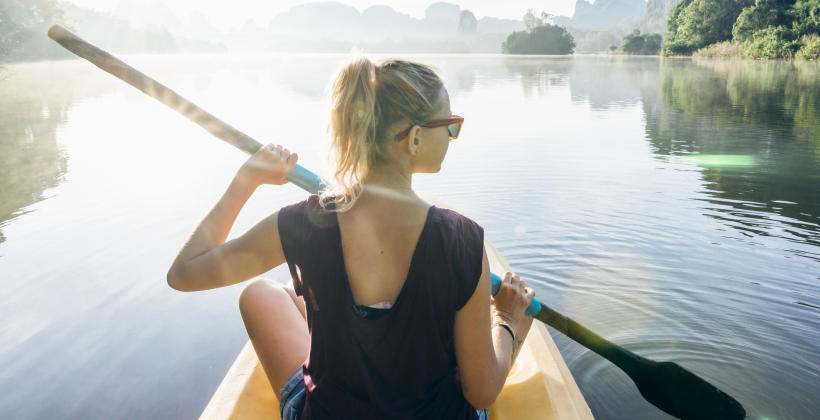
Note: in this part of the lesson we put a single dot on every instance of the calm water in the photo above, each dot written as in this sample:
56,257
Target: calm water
672,206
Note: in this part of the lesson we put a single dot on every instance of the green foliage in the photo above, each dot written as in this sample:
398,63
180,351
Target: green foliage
765,29
761,15
652,43
675,44
806,15
637,43
531,21
810,49
544,39
724,50
633,43
23,24
11,33
595,40
657,12
771,29
771,42
695,24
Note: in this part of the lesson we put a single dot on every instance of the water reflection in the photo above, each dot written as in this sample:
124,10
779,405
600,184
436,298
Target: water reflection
31,160
751,129
761,114
608,166
538,75
611,82
709,238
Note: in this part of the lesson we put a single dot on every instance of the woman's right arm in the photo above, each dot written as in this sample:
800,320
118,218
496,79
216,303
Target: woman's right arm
483,353
206,261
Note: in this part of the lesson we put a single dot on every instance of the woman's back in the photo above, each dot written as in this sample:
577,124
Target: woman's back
403,363
379,237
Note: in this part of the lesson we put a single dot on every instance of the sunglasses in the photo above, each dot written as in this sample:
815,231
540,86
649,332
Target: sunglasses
453,127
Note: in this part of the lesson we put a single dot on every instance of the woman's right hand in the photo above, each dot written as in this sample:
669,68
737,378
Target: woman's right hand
269,165
510,304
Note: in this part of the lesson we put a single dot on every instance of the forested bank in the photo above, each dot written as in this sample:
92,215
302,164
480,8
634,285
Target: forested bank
745,28
24,24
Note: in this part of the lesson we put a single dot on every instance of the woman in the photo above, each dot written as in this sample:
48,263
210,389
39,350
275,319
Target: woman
390,314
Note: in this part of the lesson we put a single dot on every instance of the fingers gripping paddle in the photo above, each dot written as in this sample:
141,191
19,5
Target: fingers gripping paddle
666,385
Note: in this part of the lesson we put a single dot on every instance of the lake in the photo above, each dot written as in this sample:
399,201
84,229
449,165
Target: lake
671,205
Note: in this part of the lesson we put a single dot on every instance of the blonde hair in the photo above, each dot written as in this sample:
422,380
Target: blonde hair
369,104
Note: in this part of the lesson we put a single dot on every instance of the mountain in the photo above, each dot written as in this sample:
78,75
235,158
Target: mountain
384,19
603,14
319,19
150,26
491,25
442,17
597,26
340,22
657,12
334,26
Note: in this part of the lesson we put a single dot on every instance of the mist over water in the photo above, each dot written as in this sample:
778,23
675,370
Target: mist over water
670,205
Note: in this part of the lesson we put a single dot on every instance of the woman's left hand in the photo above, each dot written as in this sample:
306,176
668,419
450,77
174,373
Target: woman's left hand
269,165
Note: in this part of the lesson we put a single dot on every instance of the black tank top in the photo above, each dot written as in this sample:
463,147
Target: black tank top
400,364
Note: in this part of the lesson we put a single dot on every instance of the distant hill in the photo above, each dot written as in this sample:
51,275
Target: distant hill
596,26
603,14
657,12
334,26
491,25
341,22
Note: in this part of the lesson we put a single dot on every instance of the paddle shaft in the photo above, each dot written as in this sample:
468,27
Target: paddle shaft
616,354
635,366
299,176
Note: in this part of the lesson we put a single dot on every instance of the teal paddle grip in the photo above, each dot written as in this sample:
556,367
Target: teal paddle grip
535,305
305,179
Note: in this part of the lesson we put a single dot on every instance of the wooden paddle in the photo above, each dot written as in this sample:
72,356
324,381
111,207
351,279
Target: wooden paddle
666,385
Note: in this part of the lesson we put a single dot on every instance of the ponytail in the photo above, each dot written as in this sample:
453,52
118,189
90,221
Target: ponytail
368,102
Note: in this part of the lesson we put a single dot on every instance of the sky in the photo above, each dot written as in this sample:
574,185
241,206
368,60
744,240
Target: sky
228,14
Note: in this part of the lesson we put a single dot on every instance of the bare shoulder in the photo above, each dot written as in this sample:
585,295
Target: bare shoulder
447,209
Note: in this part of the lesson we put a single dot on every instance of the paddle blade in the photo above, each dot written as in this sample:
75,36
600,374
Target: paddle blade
684,395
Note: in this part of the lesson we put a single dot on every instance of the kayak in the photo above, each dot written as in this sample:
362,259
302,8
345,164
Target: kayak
539,385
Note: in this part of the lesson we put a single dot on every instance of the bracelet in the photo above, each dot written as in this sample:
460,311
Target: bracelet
514,336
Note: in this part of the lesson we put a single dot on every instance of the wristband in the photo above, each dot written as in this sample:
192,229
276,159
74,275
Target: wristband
514,337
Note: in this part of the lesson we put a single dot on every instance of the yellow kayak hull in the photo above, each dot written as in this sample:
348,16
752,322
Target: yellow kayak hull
539,385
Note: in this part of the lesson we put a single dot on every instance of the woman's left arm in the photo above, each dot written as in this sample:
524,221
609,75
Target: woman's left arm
206,261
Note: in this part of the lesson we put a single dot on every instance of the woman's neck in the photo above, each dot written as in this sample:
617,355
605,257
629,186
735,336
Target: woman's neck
389,183
390,177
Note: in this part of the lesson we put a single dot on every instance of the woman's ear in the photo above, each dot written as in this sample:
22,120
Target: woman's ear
413,140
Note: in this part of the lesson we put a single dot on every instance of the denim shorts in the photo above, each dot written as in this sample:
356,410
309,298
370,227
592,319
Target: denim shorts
293,394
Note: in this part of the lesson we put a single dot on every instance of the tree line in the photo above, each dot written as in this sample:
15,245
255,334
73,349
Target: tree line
20,23
745,28
539,37
712,28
